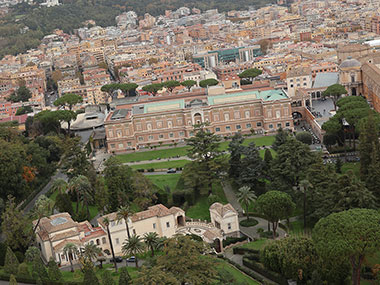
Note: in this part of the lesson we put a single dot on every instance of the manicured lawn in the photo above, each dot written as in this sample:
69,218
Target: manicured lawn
154,154
162,164
256,245
240,277
166,179
262,153
354,166
182,151
200,210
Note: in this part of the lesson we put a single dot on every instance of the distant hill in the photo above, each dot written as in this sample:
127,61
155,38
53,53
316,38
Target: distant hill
71,14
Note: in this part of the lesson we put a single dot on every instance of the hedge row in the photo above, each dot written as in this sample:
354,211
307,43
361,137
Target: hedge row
245,270
231,240
241,250
260,268
6,277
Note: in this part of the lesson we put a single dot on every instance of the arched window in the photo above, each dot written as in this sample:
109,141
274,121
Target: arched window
97,242
104,241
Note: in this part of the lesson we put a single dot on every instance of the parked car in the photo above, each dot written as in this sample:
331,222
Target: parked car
118,259
131,259
171,170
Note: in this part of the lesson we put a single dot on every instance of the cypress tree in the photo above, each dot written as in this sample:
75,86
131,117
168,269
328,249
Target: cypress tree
11,263
124,278
107,278
53,271
12,280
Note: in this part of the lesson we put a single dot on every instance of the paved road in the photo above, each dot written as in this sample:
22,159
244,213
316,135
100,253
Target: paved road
249,231
30,205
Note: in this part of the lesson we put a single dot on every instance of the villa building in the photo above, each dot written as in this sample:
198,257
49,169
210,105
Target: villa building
172,119
54,232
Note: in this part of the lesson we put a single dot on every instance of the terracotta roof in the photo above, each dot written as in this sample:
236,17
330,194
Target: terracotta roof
174,210
153,211
66,241
222,210
56,223
65,235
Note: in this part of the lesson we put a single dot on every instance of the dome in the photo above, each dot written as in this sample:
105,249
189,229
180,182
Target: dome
350,62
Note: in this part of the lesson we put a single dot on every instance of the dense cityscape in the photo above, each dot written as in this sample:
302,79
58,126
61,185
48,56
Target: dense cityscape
172,142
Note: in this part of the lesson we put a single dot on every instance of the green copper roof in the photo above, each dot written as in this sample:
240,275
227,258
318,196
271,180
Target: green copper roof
164,106
268,95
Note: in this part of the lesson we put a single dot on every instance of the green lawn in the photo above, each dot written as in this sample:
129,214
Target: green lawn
162,164
240,277
200,210
354,166
165,179
256,245
182,151
154,154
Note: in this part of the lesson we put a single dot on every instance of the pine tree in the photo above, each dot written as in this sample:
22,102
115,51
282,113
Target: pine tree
369,139
280,138
125,278
89,274
107,278
11,263
338,165
235,148
53,270
12,280
373,177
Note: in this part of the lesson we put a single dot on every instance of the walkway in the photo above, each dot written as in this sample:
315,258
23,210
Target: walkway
248,231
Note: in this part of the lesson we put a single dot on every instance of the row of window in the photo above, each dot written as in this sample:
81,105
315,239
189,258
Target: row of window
249,126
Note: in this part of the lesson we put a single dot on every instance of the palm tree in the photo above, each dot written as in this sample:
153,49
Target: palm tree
42,208
82,187
60,185
91,251
152,240
124,213
132,247
246,197
69,250
106,222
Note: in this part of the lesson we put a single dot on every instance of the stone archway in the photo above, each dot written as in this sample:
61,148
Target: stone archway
218,245
353,91
197,118
180,221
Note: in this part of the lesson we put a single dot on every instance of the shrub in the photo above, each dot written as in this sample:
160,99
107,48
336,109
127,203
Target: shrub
151,170
3,251
32,253
107,278
162,197
189,197
140,170
259,268
178,198
12,280
212,198
231,240
11,263
63,203
23,270
241,250
53,271
124,278
39,269
20,256
304,137
249,223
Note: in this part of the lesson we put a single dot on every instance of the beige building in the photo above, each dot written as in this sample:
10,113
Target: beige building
298,77
56,231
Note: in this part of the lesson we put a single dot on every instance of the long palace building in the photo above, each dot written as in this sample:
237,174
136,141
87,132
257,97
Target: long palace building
170,119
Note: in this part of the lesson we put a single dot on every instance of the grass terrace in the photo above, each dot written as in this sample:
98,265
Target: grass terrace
166,179
161,165
256,245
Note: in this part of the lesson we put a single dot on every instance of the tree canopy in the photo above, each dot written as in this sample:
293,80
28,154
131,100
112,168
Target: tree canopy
188,84
153,88
334,92
208,82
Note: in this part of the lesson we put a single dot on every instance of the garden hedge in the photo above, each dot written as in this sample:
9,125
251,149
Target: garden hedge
260,268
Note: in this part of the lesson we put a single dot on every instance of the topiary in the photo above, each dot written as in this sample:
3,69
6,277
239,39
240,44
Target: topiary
107,278
124,278
53,271
11,263
12,280
23,270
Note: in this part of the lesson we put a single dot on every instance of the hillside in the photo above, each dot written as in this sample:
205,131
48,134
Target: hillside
71,15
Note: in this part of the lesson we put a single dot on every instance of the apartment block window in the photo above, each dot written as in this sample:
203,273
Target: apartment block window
167,224
161,136
141,139
271,126
217,129
150,138
287,124
228,128
181,134
117,241
129,143
154,225
258,124
104,241
229,226
238,127
171,135
121,145
248,126
279,125
112,145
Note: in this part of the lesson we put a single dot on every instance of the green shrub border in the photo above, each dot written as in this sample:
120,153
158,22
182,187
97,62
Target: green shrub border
6,277
259,267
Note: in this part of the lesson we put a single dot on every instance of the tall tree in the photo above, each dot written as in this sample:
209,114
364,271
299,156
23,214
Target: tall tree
208,82
22,94
153,88
275,205
123,213
235,148
91,251
155,275
369,142
204,150
252,169
82,189
127,88
151,239
53,271
171,84
132,247
334,91
42,208
280,138
11,263
106,222
101,194
125,278
70,250
246,196
351,235
107,278
68,100
118,178
188,84
304,187
182,257
250,74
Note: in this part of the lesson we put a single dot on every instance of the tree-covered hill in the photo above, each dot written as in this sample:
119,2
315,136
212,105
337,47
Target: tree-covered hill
71,14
